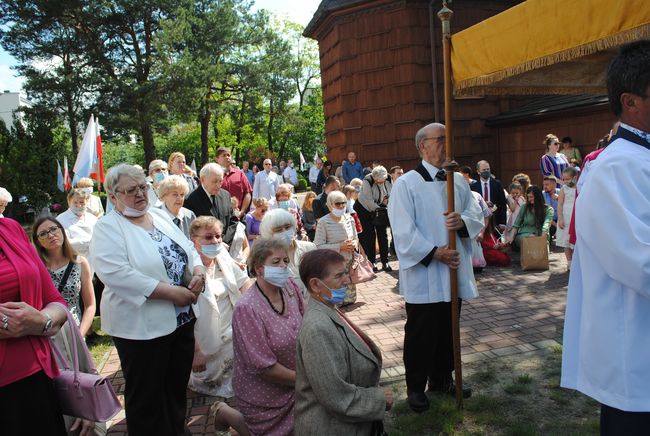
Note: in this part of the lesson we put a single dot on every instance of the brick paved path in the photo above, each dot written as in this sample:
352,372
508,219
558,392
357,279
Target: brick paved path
516,312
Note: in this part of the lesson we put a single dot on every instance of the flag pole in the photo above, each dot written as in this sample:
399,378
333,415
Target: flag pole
445,15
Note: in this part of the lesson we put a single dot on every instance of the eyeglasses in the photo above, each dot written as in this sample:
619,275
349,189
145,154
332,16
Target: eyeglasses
132,192
340,203
435,138
45,233
263,210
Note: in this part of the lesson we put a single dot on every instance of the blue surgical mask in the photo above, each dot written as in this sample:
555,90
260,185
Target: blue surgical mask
212,250
89,190
287,236
338,295
276,275
159,177
284,204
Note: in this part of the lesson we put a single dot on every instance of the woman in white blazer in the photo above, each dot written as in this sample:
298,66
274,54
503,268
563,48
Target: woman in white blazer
153,275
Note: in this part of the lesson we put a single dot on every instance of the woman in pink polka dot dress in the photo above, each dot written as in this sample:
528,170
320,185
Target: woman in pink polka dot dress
265,327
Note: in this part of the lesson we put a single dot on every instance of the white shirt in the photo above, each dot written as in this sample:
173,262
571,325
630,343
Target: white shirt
290,175
313,174
79,230
416,208
606,343
266,185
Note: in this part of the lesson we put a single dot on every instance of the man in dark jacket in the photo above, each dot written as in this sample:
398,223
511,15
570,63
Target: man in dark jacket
492,191
210,199
332,183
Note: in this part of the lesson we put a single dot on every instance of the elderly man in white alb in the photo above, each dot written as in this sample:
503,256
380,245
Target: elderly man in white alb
418,206
606,344
266,182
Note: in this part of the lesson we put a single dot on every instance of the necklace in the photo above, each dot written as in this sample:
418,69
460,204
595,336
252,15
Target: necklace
269,301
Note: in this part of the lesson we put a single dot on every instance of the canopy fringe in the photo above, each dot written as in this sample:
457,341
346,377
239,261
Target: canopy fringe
606,43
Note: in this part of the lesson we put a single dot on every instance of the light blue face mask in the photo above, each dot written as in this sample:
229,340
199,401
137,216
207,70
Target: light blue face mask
284,204
286,236
211,251
338,295
159,177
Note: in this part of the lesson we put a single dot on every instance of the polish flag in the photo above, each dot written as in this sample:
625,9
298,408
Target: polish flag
67,183
89,161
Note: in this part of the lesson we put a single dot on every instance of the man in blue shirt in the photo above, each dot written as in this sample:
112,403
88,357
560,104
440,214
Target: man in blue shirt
352,169
551,195
248,172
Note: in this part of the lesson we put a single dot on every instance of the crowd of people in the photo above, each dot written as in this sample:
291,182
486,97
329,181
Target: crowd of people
223,282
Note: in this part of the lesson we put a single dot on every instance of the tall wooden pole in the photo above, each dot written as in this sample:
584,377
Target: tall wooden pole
445,15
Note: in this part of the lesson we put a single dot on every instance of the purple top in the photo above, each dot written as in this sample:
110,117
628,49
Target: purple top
252,224
261,338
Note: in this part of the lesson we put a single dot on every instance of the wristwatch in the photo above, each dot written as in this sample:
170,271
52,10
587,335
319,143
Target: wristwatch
48,324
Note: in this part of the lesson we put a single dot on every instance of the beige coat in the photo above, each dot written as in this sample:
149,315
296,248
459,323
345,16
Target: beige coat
337,377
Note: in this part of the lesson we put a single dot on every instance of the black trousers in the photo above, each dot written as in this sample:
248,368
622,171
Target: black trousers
371,233
428,345
614,422
156,372
30,407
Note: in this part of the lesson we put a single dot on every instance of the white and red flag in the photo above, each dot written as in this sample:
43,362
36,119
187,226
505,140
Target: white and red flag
89,161
67,182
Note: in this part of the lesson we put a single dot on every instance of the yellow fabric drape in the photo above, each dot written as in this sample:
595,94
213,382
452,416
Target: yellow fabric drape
540,33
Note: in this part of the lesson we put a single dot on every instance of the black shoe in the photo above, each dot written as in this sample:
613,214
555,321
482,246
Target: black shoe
450,389
375,269
386,267
418,402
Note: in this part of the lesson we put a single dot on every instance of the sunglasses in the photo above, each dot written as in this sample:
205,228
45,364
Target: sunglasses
45,233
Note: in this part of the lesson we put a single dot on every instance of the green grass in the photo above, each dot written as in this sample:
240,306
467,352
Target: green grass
99,343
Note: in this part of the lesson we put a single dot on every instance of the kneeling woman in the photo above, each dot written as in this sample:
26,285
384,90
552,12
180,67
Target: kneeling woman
265,327
225,281
338,366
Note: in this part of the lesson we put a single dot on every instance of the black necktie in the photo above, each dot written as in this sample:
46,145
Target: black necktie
214,201
177,221
441,176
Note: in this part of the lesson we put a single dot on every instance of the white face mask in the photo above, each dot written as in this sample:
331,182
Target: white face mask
89,190
286,236
78,210
131,212
276,275
338,212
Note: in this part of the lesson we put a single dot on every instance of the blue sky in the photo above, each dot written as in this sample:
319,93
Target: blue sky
299,11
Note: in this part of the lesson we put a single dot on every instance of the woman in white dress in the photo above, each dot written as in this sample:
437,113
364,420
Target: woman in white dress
225,281
78,222
565,204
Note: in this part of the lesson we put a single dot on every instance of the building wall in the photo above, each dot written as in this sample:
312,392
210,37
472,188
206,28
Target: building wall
521,143
377,82
9,102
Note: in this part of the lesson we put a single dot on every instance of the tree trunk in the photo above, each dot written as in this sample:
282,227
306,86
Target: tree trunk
147,135
205,129
269,128
72,122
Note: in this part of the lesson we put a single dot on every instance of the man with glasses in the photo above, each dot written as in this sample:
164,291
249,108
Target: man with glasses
266,182
418,207
210,199
606,354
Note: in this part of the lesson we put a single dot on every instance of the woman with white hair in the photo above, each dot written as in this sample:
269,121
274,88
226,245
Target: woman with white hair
78,222
337,231
157,173
172,191
283,200
94,205
373,214
5,199
153,275
281,224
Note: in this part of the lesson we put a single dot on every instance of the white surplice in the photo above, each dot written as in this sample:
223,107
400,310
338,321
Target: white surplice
416,215
79,231
607,325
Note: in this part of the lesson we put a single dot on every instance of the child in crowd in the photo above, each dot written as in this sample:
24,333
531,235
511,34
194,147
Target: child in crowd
254,219
515,200
308,217
494,251
565,203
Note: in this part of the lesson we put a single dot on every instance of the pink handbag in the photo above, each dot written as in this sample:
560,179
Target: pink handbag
83,395
361,268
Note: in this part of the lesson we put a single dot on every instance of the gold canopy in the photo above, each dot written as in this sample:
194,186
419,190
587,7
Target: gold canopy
546,47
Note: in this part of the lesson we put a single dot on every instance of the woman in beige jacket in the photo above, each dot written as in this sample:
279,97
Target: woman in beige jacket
337,366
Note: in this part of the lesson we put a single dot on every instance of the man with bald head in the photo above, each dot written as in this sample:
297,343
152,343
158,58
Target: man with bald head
418,206
210,199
